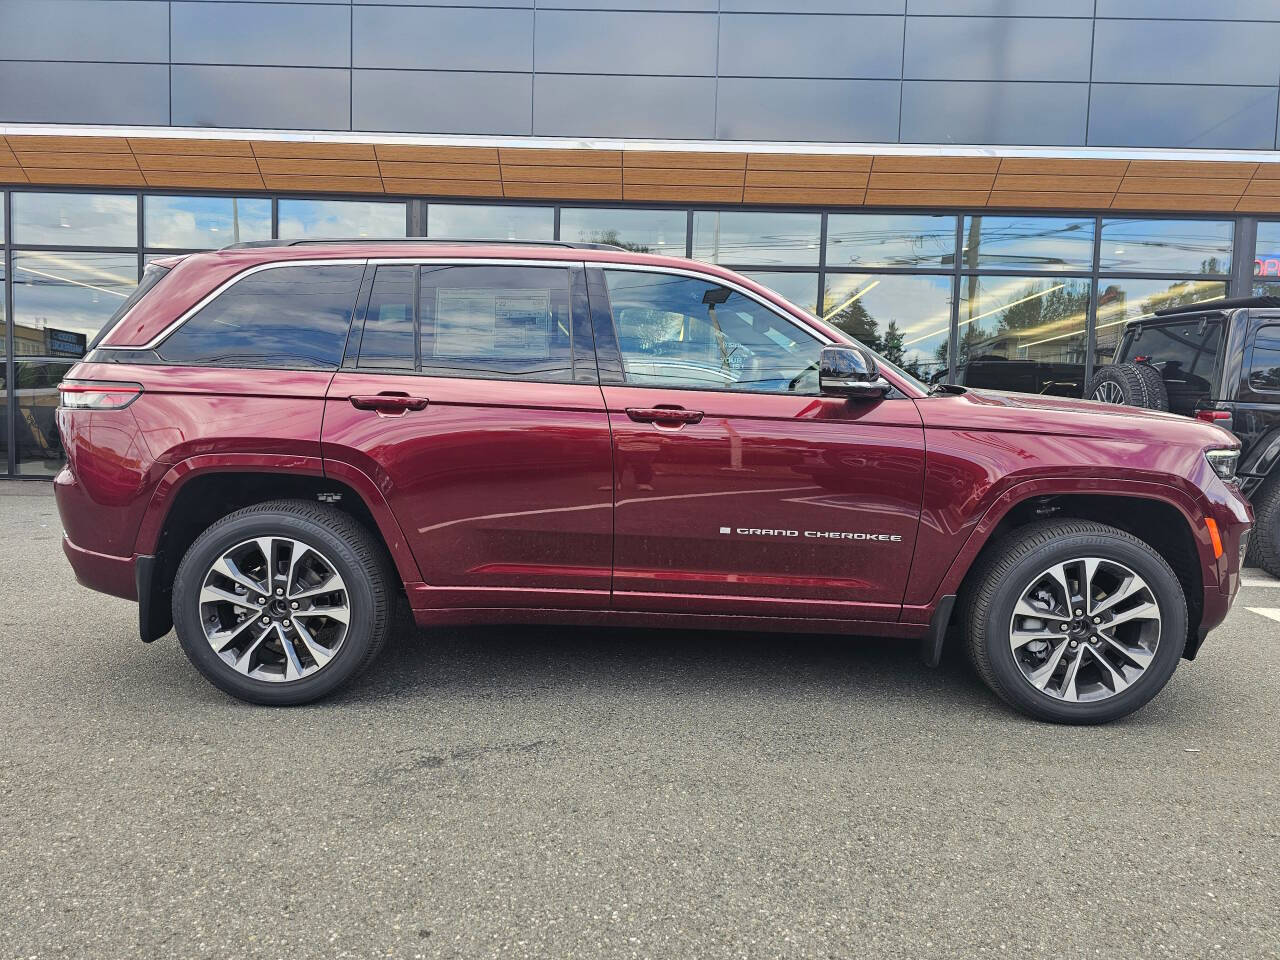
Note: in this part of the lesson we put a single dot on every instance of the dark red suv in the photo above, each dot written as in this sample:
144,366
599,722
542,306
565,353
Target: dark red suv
276,446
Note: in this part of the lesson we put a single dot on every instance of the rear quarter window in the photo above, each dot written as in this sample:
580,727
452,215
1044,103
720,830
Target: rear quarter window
1264,361
293,317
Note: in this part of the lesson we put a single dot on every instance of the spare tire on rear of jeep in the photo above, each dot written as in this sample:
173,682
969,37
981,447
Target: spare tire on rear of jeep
1134,384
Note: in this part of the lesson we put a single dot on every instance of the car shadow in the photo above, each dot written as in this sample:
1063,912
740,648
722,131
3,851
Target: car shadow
523,660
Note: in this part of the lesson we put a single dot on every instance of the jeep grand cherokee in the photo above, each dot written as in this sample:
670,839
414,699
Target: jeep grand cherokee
275,447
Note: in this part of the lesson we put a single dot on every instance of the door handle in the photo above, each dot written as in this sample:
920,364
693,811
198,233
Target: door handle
664,416
389,404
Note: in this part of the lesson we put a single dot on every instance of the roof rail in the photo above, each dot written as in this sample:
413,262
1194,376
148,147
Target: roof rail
424,240
1223,303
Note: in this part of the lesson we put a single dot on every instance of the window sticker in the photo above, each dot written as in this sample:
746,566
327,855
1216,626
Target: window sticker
510,324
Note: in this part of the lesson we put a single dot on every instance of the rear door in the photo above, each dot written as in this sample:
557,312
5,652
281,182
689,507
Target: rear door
469,395
739,489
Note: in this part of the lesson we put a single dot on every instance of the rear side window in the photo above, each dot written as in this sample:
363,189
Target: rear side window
292,317
1179,350
1264,368
484,322
150,277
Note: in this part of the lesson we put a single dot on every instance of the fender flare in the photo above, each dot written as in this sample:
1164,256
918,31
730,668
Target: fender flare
1263,456
1020,492
184,471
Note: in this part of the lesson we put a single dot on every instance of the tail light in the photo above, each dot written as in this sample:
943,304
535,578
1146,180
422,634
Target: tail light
1221,417
97,394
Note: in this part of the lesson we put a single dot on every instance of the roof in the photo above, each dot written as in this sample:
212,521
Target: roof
1214,306
438,241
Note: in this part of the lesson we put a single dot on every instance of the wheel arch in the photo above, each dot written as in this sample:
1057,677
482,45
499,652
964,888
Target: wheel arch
1160,516
196,492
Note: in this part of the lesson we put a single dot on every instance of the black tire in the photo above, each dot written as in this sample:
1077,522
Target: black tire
1137,385
1264,541
354,553
1008,567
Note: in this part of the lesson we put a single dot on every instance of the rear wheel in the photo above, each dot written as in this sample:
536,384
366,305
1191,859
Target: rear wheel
1075,622
283,602
1132,384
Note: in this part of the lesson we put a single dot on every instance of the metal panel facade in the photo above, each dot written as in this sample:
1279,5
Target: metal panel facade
1173,73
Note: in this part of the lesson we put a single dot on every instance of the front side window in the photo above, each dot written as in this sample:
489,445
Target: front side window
284,317
676,331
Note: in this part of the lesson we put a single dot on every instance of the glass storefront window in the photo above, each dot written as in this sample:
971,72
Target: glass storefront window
203,223
1122,300
1266,261
798,288
906,318
36,441
1023,333
75,219
1027,243
1166,246
468,221
765,239
890,240
4,418
4,320
342,219
644,231
62,298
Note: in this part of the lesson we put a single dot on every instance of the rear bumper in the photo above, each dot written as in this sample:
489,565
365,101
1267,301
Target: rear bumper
103,572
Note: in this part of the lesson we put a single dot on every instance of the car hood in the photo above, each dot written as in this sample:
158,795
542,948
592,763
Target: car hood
1024,412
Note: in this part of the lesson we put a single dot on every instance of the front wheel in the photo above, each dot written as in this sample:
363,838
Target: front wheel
282,603
1075,622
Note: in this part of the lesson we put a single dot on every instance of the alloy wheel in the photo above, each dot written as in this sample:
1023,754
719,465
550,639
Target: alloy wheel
274,609
1085,629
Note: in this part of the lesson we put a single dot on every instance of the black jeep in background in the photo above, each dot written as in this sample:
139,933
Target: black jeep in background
1217,361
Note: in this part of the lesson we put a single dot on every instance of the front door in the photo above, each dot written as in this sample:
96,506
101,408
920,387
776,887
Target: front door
469,396
739,489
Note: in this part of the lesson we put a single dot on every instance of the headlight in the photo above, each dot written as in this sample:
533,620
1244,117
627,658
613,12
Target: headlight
1224,463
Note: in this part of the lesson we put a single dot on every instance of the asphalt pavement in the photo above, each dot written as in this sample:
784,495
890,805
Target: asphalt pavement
585,793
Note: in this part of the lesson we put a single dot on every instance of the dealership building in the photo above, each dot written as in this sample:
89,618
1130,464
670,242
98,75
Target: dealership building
987,191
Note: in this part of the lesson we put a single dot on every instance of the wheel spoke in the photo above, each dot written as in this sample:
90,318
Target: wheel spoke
331,583
333,613
318,653
292,665
296,553
1059,575
1142,611
221,639
1139,655
1069,691
1041,676
244,662
270,553
1118,682
1129,586
231,570
212,594
1027,609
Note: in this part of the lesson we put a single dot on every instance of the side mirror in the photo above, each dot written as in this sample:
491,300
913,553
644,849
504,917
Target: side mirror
850,372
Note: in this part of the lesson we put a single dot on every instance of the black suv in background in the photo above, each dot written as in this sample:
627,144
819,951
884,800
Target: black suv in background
1217,361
